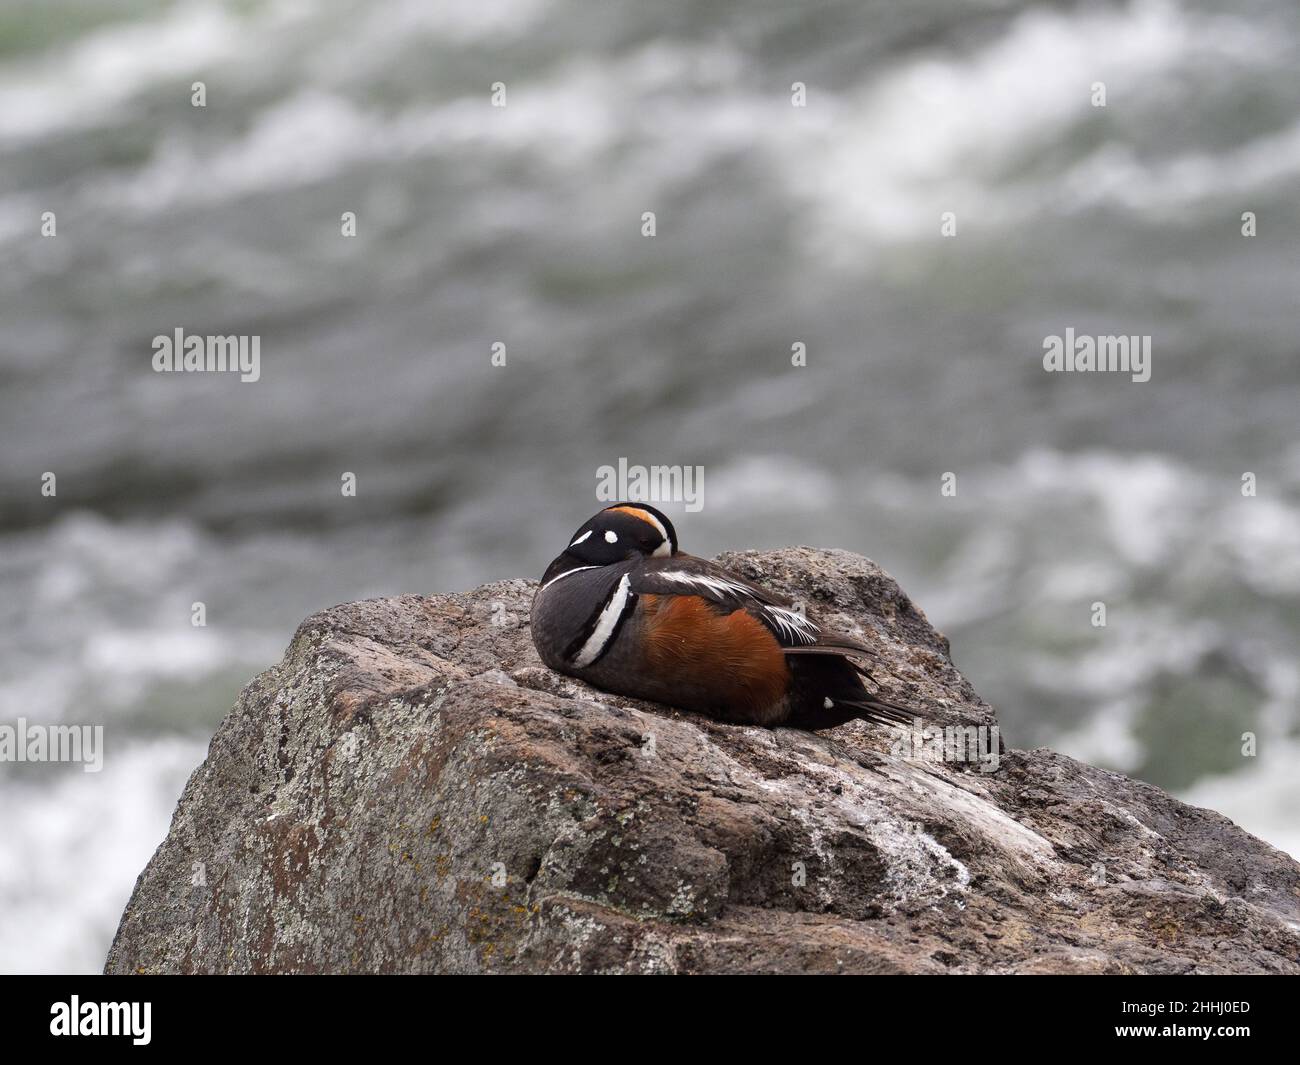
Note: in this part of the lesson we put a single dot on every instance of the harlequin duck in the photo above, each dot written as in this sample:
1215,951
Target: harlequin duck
624,610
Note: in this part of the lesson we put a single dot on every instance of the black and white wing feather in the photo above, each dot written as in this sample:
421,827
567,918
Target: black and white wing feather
687,575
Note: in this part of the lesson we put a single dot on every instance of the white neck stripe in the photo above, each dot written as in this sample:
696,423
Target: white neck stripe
566,573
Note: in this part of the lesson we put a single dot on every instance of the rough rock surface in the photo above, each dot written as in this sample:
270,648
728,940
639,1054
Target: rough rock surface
410,790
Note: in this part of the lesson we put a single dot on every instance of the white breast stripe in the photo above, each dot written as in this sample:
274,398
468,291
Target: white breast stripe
591,650
567,573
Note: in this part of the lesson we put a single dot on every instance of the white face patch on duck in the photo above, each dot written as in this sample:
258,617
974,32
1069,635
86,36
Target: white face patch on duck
582,537
611,537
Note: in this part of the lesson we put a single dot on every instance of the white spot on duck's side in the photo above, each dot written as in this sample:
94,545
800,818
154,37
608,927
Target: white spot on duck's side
611,537
828,702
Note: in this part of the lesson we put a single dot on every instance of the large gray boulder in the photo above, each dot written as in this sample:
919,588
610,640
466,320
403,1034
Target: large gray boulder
410,790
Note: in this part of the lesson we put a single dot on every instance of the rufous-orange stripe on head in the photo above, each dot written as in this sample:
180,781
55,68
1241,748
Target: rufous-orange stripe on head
637,512
732,656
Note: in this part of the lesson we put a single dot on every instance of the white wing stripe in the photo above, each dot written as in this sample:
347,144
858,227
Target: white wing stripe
792,624
700,580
